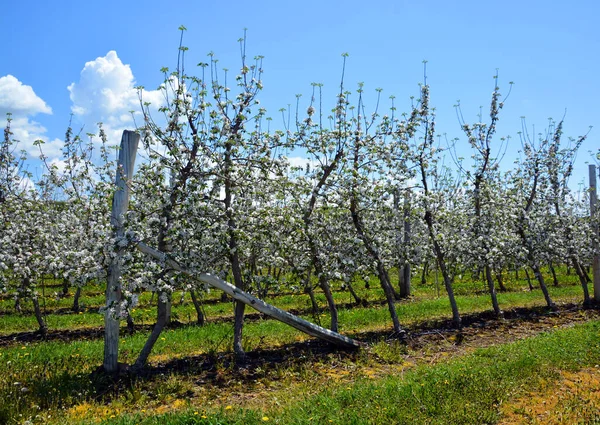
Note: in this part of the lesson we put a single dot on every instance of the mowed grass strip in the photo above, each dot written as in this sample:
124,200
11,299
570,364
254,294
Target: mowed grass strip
51,377
424,305
467,390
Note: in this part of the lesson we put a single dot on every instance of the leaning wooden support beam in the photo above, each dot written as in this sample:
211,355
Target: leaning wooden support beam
271,311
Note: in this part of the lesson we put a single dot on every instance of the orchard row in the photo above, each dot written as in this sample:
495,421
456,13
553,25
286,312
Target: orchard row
215,190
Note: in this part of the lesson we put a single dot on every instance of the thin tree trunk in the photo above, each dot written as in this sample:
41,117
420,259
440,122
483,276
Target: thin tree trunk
65,288
424,273
308,288
42,326
492,290
234,256
324,285
554,278
389,296
405,281
500,281
357,300
582,280
442,265
528,279
200,319
76,306
156,331
168,311
130,324
384,279
538,274
238,326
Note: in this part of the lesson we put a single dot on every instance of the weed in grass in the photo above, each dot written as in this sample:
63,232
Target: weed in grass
390,352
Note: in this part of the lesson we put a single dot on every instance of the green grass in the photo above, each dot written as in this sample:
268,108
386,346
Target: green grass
467,390
56,374
49,378
471,296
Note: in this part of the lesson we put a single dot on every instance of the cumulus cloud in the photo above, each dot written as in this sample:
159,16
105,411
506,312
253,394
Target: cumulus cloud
106,93
20,99
22,103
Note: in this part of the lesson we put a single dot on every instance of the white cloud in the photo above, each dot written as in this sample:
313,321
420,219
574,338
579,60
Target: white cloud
19,99
106,93
302,162
59,164
22,103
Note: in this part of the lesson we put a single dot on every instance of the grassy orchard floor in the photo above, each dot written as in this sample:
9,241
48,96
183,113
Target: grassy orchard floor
60,317
290,382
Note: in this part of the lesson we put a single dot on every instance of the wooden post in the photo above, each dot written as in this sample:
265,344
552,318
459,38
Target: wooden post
237,294
127,153
405,272
596,233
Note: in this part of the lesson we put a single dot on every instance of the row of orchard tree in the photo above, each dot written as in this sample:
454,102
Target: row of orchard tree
215,192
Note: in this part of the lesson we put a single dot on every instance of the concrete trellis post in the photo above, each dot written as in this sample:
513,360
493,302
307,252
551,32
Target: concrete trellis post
127,153
594,218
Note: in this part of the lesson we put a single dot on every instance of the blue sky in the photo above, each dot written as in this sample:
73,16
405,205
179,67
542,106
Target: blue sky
100,50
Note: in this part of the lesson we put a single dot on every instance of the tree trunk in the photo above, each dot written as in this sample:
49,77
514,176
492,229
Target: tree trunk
18,308
357,300
234,256
76,300
238,326
130,324
324,285
492,290
442,265
538,274
500,281
389,296
65,288
42,326
308,288
404,275
554,278
404,271
161,321
384,279
528,279
424,273
582,280
200,319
